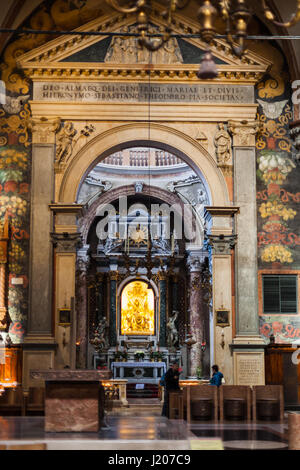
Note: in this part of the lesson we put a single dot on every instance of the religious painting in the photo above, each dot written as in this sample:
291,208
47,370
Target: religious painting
222,317
64,316
137,309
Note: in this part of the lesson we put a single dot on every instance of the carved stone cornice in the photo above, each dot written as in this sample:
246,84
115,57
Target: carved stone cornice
66,242
243,132
43,129
221,244
184,72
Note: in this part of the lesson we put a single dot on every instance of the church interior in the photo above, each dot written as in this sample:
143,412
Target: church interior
149,216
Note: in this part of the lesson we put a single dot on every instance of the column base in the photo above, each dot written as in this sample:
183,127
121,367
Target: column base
38,353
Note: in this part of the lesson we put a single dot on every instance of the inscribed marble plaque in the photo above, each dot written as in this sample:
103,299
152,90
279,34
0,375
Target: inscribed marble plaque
141,92
249,368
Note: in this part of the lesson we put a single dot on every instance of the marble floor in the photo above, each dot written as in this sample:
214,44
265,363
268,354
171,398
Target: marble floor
125,432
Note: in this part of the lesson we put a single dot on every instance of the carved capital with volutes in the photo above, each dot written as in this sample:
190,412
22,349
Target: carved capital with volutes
243,132
66,242
221,244
43,129
113,275
196,261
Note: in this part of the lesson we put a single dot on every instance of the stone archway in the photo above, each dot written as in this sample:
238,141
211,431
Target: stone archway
188,149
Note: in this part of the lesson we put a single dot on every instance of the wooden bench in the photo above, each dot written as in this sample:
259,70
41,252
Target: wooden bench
176,405
267,402
35,403
11,402
235,402
201,402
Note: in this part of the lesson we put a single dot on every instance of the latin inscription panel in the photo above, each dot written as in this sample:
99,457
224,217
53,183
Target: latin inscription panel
141,92
249,368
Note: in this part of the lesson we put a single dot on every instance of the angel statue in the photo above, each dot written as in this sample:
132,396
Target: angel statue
172,333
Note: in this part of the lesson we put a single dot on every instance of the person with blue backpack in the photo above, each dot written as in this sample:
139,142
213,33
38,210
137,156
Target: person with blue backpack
217,376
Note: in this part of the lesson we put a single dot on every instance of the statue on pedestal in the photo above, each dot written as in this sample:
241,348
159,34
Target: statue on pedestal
100,336
172,333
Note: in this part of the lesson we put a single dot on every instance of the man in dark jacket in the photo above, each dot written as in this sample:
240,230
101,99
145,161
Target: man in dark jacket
171,385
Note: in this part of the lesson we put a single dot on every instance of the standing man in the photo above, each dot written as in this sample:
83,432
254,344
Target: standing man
171,385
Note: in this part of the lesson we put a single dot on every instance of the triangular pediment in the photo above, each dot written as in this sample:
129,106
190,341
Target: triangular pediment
96,53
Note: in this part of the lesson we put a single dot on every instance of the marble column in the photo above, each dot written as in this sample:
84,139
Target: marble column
175,304
113,325
162,286
4,239
100,297
196,310
82,265
39,342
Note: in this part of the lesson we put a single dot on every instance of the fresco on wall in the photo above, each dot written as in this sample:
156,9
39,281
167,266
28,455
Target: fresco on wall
278,199
15,145
278,193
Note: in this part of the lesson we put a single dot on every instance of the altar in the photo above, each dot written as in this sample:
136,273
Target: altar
74,399
139,372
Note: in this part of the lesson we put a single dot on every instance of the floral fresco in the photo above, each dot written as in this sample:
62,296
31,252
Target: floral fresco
15,146
278,199
277,196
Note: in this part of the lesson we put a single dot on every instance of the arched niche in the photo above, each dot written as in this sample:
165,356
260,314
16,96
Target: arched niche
138,310
166,138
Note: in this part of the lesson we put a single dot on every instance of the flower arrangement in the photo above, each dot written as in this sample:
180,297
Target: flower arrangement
156,355
274,253
139,355
273,166
273,208
118,356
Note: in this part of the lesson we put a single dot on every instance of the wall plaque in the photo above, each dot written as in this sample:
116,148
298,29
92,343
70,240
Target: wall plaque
94,92
249,368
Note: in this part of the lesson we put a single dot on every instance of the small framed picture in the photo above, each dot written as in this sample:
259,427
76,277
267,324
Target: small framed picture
64,316
222,317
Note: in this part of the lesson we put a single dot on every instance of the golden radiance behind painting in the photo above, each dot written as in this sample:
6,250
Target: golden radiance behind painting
137,309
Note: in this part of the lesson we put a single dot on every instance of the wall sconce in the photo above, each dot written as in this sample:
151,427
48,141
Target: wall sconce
222,344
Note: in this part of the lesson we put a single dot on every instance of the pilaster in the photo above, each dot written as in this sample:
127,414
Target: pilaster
222,239
247,321
39,342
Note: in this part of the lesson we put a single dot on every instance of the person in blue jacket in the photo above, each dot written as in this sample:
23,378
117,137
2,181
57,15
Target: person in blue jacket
217,376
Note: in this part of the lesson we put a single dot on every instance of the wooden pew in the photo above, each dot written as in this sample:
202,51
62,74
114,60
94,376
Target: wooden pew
267,402
11,402
201,401
235,402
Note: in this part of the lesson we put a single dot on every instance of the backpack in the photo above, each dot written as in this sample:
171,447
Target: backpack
162,381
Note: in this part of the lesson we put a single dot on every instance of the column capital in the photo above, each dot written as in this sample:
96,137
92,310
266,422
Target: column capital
113,275
196,261
65,241
221,244
83,258
43,129
243,132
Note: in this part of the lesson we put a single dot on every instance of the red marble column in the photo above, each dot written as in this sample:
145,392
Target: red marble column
81,313
196,314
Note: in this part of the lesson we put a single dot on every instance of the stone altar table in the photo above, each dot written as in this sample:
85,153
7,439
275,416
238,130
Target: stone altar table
74,399
135,372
